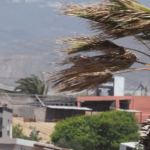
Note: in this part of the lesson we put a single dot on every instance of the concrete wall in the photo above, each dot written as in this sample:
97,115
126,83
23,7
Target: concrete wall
7,147
23,110
141,103
26,111
40,114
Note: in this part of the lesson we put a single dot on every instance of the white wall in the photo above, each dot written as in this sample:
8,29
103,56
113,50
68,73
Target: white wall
123,146
119,83
7,124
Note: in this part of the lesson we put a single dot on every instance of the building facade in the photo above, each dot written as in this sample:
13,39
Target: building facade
106,103
5,122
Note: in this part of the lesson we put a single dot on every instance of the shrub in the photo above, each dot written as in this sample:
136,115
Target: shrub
105,131
18,133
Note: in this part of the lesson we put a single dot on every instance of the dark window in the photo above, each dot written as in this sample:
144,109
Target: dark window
8,133
1,121
8,128
129,148
0,134
1,110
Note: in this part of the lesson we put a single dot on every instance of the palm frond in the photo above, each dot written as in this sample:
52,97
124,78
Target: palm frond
117,61
79,82
116,18
112,19
86,44
86,68
30,85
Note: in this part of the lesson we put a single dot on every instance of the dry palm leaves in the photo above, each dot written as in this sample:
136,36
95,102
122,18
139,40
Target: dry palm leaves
79,82
113,19
114,62
116,18
84,44
89,72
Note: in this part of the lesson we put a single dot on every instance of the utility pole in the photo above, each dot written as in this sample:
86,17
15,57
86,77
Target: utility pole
146,91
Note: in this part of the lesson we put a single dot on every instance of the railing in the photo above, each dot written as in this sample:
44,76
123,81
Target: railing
35,100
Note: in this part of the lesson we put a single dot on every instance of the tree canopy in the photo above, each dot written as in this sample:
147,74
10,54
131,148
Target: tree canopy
31,85
105,131
111,19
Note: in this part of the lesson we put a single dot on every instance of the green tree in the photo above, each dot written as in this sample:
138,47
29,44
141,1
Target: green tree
69,144
98,132
112,20
32,85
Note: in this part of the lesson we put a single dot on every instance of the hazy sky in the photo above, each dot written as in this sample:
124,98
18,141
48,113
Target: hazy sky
34,21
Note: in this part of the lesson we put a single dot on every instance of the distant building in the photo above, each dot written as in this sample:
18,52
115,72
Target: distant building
56,113
6,122
138,104
113,87
7,89
9,143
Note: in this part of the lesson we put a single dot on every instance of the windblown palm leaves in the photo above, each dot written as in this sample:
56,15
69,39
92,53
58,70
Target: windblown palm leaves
116,18
112,19
114,62
79,81
85,44
30,85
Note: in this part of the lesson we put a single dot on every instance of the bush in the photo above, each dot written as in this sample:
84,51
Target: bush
105,131
18,133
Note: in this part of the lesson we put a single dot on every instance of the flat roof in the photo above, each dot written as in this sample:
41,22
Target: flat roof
69,107
130,110
8,88
17,141
28,143
130,144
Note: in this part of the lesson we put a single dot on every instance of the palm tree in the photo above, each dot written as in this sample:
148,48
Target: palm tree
32,85
111,19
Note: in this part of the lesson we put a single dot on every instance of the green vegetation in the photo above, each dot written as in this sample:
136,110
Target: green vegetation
105,131
18,133
32,85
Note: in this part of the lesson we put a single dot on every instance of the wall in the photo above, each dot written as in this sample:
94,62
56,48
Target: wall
39,114
119,86
22,110
26,111
141,103
7,123
7,147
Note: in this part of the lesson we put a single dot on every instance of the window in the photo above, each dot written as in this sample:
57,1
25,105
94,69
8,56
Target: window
1,121
129,148
8,128
0,134
1,110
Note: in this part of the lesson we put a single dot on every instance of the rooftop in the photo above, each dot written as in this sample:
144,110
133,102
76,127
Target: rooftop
70,107
132,111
